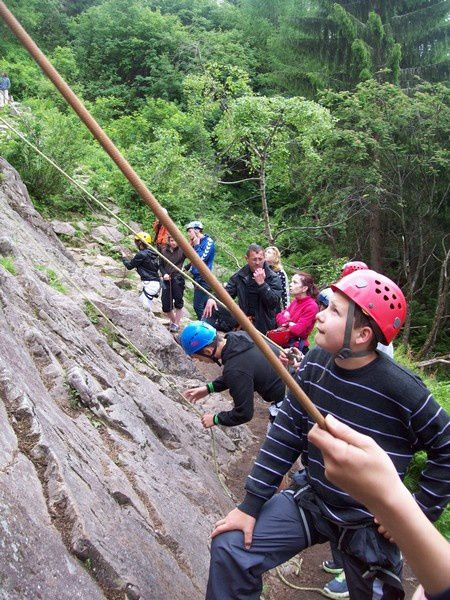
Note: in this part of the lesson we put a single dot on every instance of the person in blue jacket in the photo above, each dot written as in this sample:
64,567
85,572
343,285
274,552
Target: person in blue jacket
205,247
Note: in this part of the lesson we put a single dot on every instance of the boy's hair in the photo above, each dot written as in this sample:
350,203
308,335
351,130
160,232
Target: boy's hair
363,320
254,248
219,337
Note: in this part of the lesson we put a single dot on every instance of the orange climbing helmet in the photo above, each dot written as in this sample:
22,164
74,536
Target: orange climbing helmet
378,297
353,265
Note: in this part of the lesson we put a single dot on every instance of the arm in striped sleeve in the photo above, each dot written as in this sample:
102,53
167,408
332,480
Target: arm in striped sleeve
431,424
282,446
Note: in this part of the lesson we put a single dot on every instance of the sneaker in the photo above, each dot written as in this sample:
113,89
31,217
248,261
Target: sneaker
174,328
336,588
331,567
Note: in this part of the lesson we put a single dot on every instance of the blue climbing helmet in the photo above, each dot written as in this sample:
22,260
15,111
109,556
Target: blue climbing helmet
196,336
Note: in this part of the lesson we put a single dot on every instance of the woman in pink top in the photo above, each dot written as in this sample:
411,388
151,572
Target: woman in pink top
300,315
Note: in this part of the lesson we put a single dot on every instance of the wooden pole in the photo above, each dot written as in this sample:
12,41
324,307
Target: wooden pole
157,209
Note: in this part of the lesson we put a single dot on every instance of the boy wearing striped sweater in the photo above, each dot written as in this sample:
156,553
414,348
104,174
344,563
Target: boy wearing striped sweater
346,377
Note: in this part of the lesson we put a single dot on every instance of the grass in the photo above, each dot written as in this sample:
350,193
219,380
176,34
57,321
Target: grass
53,279
111,335
8,264
91,313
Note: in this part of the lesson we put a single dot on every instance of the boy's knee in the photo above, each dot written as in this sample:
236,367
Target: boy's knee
224,545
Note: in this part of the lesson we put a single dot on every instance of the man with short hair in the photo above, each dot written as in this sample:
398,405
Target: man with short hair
204,246
257,288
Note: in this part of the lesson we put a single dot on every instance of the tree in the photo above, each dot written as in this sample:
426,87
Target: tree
127,50
325,44
383,180
263,135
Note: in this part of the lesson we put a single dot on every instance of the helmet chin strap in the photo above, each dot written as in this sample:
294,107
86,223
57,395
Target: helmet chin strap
212,356
345,351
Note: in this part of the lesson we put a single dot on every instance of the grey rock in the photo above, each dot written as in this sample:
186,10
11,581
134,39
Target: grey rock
7,246
62,228
106,234
107,485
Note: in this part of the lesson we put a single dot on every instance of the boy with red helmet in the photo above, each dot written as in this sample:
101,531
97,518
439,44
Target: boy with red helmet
344,376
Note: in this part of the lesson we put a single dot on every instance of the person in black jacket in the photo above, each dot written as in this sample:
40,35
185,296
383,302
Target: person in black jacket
257,288
173,282
146,263
245,371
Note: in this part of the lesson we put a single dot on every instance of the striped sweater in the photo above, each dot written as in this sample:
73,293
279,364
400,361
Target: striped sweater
382,400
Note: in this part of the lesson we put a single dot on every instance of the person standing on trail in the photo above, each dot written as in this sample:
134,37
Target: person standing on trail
5,85
245,371
257,288
205,247
273,259
172,283
345,377
146,263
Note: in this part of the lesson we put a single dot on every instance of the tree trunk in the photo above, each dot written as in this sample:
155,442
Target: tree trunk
265,208
375,238
442,293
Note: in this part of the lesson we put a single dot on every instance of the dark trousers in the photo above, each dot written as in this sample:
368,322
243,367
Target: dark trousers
172,293
200,298
283,529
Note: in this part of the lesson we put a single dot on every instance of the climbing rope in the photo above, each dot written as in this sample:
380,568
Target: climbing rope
297,587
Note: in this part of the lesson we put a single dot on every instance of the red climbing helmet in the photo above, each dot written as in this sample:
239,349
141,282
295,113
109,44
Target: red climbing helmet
379,297
351,266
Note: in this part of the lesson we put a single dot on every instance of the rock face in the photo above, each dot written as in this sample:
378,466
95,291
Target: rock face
107,487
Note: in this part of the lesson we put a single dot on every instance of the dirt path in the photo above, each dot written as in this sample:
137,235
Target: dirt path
311,575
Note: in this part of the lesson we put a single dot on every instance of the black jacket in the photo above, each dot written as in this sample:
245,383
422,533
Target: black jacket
146,262
246,370
269,296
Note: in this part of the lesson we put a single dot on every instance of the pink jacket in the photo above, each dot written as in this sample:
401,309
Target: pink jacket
302,313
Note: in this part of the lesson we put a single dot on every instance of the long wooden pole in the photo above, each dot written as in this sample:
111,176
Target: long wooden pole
157,209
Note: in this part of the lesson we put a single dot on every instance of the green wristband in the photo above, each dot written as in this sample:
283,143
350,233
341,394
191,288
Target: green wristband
216,420
210,387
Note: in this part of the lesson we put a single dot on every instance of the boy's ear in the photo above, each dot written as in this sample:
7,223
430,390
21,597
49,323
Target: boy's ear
364,335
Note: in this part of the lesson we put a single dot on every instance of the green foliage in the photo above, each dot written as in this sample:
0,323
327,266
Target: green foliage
52,279
324,44
7,262
146,52
91,312
270,137
61,138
